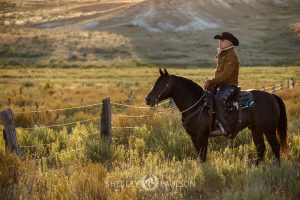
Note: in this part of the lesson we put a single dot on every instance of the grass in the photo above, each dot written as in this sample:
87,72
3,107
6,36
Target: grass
72,162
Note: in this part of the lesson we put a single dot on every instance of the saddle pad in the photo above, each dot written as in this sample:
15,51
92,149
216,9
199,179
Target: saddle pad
245,98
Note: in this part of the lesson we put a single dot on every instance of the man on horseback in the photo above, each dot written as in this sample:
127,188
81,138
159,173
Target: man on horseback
225,80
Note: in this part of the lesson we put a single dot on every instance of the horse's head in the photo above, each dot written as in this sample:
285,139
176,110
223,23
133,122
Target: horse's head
161,89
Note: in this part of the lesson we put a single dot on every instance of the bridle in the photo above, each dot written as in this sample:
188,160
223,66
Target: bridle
200,109
168,86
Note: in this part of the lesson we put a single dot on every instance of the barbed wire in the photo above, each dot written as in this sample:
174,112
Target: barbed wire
158,112
59,125
85,106
139,107
118,115
58,109
132,116
119,104
161,112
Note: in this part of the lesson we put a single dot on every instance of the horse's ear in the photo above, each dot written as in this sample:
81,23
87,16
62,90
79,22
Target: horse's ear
166,72
161,72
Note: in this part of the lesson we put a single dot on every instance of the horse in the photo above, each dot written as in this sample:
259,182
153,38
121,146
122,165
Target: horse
268,116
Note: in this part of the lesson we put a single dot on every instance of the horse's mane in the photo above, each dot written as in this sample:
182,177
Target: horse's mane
191,84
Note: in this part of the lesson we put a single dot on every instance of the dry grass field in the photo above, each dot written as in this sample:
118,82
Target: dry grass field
72,162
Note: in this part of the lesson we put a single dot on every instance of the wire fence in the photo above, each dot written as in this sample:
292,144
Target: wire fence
165,112
78,122
271,89
58,109
138,107
86,106
60,125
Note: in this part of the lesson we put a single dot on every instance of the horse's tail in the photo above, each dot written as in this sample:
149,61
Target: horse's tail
282,125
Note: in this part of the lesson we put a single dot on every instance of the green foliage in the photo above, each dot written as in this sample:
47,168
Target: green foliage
170,139
102,151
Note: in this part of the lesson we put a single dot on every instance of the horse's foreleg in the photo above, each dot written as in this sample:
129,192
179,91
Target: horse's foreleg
200,144
203,149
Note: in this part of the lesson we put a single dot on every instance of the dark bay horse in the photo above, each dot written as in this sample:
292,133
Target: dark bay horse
268,116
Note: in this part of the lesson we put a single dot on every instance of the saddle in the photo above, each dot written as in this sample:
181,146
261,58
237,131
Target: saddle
241,100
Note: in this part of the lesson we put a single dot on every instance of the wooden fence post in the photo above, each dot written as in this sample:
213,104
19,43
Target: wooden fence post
9,132
105,130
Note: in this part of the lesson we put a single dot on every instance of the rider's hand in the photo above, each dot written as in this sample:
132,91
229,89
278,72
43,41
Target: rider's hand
206,84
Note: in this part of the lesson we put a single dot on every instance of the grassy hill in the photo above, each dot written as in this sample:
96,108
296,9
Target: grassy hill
74,33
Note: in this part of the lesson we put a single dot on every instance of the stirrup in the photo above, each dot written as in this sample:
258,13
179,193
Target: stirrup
219,131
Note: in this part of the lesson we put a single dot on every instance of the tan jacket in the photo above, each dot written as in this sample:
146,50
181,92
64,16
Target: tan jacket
227,69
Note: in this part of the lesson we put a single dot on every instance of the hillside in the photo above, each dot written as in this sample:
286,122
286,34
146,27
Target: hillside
153,32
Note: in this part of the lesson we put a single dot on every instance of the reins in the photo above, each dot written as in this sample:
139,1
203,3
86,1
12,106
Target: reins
195,103
189,108
165,89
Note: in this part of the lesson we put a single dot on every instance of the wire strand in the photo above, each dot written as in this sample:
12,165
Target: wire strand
59,109
59,125
140,107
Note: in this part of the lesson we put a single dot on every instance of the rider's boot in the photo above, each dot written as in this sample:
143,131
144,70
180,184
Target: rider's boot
223,127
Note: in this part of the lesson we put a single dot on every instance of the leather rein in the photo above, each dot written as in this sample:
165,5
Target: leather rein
191,115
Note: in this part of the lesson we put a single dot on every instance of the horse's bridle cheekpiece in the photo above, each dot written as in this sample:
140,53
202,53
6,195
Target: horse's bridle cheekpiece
168,86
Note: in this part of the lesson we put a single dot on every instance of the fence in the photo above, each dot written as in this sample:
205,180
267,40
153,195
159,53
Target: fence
9,131
280,86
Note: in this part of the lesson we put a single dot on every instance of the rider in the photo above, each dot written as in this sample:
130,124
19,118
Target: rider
225,80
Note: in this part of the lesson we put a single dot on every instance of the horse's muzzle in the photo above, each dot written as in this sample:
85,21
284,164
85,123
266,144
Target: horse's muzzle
150,101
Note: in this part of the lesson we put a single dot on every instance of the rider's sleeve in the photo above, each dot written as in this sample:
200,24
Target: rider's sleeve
231,63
